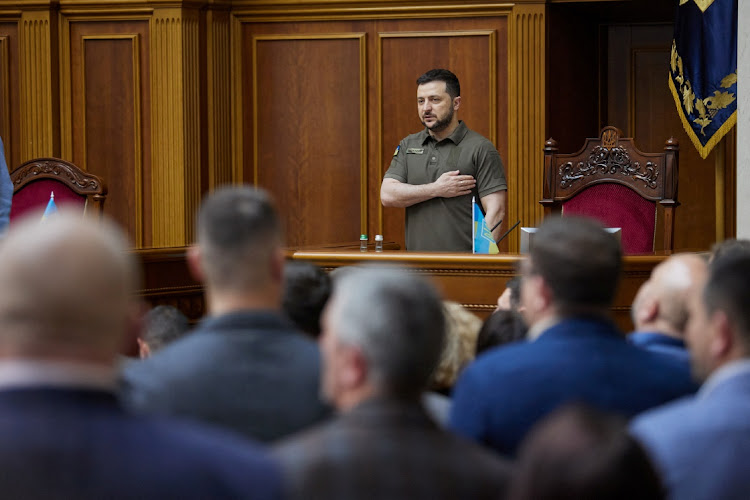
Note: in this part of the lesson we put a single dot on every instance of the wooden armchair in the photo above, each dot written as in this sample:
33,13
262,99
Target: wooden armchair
34,180
611,180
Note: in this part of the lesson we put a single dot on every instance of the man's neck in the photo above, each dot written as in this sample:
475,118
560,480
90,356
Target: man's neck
659,327
224,303
445,133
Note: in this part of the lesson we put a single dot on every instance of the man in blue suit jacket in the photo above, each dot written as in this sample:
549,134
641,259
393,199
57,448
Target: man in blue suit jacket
575,353
67,293
245,367
701,444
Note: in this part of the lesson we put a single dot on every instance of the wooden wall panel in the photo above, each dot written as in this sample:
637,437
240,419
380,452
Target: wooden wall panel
9,93
107,134
310,133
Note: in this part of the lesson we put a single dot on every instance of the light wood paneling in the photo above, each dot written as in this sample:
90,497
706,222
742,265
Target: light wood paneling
10,102
527,119
176,128
218,98
309,143
39,91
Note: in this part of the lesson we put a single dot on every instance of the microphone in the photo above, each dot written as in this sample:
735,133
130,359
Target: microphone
506,232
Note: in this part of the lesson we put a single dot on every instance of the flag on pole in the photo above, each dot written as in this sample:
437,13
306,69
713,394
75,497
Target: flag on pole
480,233
703,70
51,207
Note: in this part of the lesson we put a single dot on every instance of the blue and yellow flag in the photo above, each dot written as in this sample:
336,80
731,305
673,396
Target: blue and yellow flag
480,233
703,69
51,207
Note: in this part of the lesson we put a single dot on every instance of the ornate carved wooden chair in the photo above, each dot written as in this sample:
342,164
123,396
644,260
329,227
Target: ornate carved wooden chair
611,180
34,180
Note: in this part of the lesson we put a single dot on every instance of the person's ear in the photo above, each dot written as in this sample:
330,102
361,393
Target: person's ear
195,266
456,103
278,260
723,337
354,369
144,351
648,311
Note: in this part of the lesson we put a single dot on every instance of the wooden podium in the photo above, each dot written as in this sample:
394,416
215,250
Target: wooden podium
472,280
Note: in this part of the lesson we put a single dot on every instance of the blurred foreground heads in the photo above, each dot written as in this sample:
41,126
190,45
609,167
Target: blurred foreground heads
67,301
383,332
701,444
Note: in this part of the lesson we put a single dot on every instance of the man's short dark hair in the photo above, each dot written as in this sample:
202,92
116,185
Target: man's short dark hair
442,75
579,261
728,248
306,291
728,290
164,324
238,228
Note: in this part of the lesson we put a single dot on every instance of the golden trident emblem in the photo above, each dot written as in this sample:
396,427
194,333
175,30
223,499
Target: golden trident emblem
702,4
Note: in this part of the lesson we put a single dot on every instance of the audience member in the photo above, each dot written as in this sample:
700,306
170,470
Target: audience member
510,299
306,291
244,367
163,325
382,336
67,293
701,444
459,346
577,453
575,352
500,328
659,309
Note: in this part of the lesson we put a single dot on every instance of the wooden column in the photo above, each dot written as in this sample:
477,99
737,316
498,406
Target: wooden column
39,95
526,123
219,98
175,124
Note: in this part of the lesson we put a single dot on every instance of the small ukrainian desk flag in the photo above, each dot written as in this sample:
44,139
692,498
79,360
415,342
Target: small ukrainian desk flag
51,207
480,233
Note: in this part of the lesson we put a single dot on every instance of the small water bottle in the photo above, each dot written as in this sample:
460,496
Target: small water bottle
363,243
378,242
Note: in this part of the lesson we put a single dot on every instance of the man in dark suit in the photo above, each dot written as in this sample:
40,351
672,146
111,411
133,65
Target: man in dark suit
383,332
574,353
67,303
245,367
701,444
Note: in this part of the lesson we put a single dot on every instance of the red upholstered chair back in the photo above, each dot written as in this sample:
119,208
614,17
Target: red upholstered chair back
34,180
611,180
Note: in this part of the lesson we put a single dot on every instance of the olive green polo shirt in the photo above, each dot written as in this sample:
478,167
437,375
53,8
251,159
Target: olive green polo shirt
444,224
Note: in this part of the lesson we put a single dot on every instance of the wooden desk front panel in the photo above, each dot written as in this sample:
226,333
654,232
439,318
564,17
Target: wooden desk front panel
472,280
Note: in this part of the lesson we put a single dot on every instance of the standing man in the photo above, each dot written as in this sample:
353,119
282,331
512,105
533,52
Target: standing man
435,173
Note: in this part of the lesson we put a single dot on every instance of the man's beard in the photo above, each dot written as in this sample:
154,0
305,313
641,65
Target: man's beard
441,124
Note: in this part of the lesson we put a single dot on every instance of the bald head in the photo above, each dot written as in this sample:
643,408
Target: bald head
66,289
660,304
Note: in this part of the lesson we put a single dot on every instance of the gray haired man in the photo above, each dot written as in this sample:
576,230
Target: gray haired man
383,331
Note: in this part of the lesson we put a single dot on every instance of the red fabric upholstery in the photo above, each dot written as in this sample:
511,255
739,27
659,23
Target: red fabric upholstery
35,196
618,206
